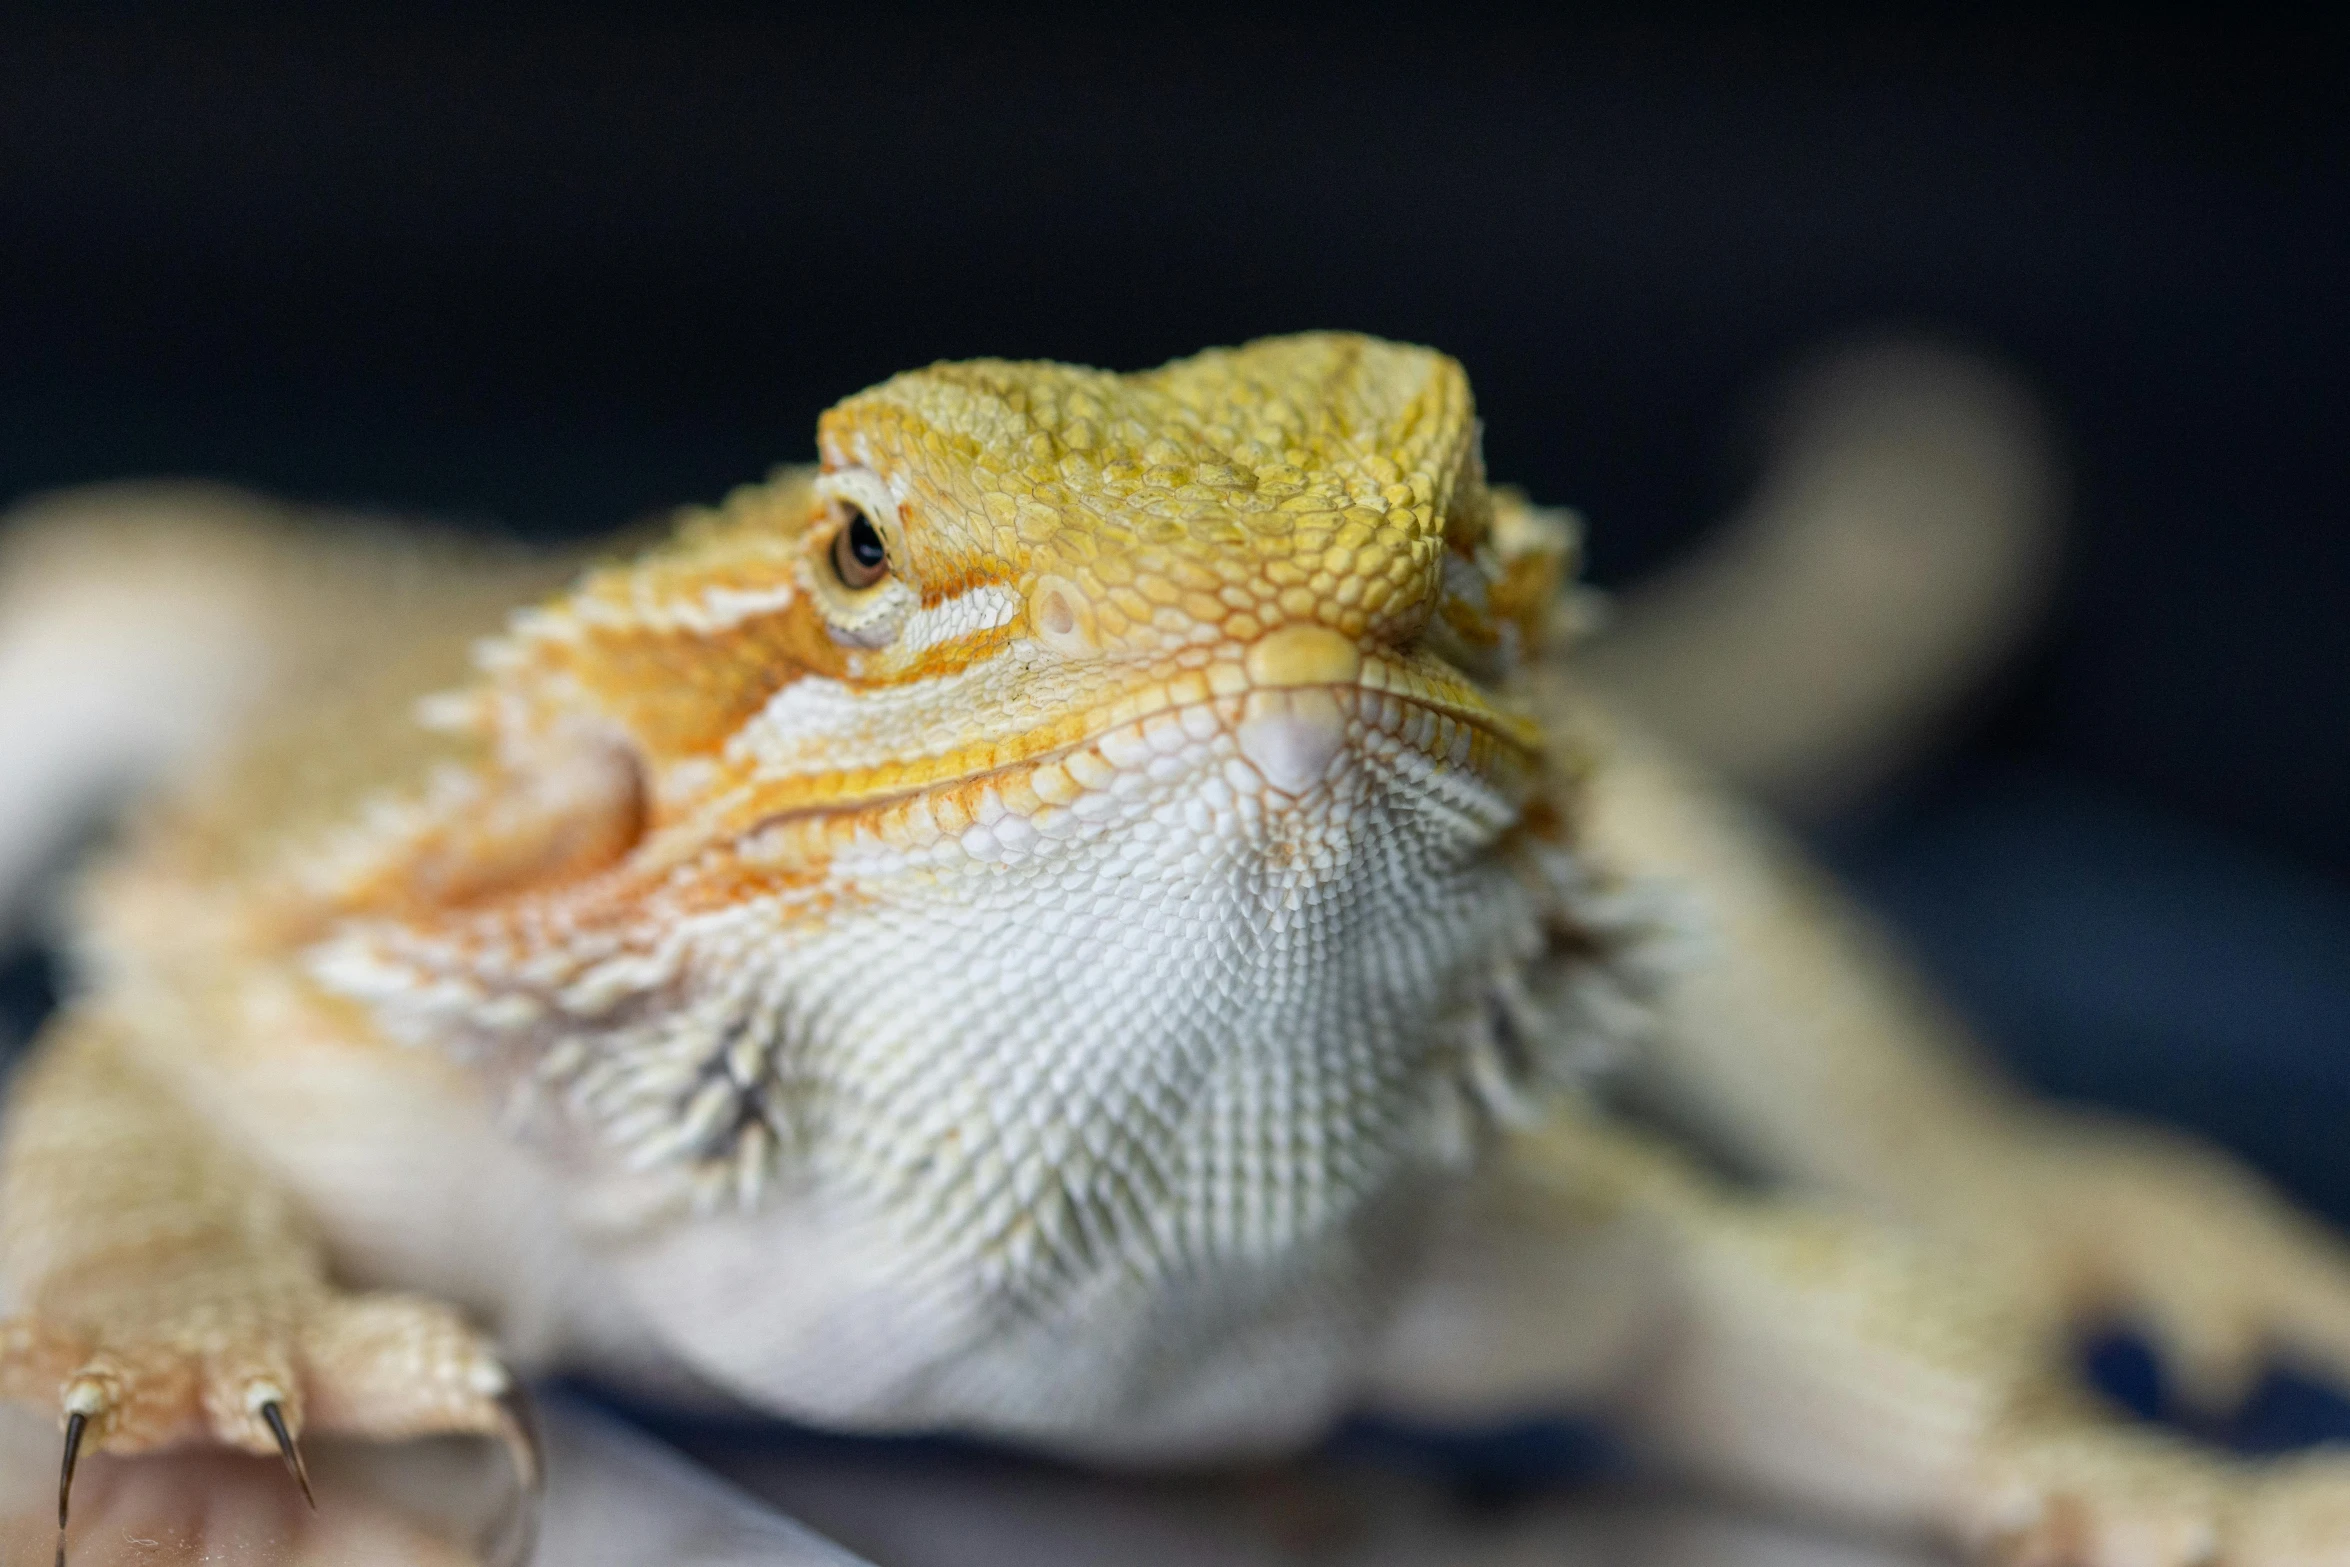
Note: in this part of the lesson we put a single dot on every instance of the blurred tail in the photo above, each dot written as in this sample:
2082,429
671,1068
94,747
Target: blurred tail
1901,544
133,623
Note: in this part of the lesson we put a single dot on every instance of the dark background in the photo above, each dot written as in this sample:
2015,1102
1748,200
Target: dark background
550,274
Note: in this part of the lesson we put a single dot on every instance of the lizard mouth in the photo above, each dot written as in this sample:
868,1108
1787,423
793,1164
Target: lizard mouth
1311,691
1283,715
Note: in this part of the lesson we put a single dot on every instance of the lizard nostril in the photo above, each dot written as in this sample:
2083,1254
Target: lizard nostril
1060,615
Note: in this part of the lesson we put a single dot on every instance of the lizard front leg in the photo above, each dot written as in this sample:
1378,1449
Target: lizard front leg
166,1291
1805,1045
1846,1365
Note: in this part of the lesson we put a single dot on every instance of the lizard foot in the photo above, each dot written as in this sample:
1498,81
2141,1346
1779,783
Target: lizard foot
2103,1496
2167,1235
258,1377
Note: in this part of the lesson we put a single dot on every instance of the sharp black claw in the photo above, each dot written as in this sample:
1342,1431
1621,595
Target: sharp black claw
74,1426
523,1443
517,1532
275,1419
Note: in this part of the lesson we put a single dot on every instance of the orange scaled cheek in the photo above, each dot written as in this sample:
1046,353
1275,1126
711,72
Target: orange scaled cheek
680,693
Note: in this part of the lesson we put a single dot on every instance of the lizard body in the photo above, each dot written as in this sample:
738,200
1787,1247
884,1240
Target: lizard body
1084,918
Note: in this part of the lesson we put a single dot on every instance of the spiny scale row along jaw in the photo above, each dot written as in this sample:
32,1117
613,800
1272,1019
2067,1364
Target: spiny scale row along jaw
1000,561
1244,617
999,564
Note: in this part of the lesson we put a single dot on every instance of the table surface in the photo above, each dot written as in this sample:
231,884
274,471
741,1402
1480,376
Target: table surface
617,1498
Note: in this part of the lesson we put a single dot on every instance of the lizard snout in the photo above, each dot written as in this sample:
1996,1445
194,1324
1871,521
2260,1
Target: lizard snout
1292,726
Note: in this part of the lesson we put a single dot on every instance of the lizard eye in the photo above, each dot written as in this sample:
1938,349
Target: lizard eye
858,557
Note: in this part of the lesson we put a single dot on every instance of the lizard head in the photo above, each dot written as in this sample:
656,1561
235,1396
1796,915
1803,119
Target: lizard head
1061,722
1269,538
999,565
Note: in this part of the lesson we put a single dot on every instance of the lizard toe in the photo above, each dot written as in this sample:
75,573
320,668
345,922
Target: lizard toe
2103,1496
2297,1515
2114,1496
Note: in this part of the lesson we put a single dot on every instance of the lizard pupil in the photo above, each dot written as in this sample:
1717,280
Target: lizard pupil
858,557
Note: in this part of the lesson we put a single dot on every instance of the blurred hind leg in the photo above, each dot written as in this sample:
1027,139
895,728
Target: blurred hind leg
133,630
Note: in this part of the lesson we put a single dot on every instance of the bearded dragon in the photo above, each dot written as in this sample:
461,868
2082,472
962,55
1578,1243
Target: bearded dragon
1100,915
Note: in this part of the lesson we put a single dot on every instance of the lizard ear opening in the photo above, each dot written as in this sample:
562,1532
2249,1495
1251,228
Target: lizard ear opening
489,836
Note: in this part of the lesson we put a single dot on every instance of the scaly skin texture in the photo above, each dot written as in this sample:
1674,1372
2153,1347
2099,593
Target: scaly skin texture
1083,919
